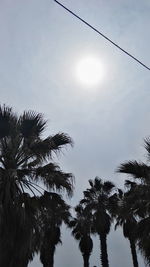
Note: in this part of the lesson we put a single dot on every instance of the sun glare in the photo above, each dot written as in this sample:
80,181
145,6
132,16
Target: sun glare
89,71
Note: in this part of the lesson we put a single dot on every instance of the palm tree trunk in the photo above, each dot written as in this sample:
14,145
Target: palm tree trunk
86,260
133,252
104,255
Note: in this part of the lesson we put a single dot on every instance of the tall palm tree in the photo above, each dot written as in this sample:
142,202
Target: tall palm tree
54,212
127,220
26,159
81,225
18,229
140,199
98,200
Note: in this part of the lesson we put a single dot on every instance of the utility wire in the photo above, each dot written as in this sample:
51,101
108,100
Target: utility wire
104,36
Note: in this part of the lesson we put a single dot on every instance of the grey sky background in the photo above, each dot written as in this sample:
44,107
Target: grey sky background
40,45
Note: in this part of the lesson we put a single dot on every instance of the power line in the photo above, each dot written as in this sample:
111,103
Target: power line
104,36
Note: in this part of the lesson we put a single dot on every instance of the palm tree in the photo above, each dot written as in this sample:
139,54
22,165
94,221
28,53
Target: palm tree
140,199
18,229
54,212
127,220
26,159
98,200
81,225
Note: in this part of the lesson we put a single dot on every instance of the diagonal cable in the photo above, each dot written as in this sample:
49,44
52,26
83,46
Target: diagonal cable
104,36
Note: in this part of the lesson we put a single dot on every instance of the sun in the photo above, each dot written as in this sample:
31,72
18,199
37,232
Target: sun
89,71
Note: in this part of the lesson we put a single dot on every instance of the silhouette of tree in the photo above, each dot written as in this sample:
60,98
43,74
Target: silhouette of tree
54,211
139,197
81,225
97,199
26,159
128,221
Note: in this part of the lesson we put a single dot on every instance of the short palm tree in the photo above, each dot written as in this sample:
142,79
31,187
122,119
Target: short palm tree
97,199
26,159
54,211
81,226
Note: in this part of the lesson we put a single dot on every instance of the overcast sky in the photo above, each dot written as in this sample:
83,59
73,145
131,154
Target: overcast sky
40,45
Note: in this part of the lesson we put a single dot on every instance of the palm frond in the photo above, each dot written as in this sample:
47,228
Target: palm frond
54,178
52,144
91,182
61,139
97,184
147,144
32,124
136,169
108,186
6,118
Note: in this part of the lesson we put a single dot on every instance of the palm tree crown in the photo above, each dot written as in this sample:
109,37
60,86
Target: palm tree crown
24,155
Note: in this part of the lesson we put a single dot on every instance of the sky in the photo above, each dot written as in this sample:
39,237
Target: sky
40,46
